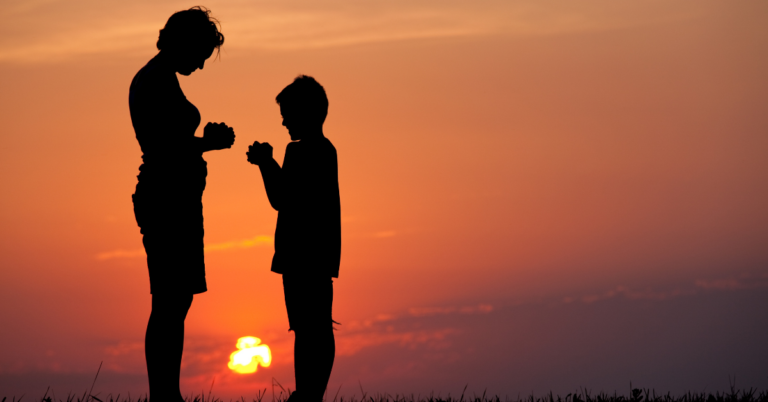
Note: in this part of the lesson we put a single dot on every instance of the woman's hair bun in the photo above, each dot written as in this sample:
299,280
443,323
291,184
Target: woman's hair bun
190,28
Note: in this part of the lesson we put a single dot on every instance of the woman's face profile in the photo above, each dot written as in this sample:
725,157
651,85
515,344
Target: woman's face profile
193,58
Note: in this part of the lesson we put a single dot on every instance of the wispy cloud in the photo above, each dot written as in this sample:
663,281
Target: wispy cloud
108,255
745,281
247,243
630,294
350,344
427,311
124,348
415,312
57,29
402,329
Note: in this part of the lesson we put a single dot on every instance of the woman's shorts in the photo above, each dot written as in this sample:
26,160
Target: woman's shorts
173,239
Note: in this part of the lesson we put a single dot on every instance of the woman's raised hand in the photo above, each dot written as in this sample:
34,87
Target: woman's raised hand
218,136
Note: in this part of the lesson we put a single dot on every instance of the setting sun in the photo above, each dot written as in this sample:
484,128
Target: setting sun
249,355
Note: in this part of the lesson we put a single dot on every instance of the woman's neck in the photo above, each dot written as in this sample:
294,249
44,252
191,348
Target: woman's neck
164,61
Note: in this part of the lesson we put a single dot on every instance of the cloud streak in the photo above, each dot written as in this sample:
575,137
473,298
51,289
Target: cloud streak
109,255
403,329
429,311
240,244
745,281
248,243
40,34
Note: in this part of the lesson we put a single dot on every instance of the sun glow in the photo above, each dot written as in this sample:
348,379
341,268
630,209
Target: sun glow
249,355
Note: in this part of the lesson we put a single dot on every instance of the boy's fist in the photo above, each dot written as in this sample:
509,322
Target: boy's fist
219,135
259,153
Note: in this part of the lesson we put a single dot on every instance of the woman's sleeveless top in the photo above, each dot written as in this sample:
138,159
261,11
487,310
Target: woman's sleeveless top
165,123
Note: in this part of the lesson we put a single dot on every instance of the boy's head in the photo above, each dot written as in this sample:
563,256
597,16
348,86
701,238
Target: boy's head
304,107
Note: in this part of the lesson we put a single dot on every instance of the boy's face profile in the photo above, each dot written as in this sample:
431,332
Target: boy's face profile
299,125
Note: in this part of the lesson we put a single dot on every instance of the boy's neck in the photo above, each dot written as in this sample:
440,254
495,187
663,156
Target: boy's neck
313,135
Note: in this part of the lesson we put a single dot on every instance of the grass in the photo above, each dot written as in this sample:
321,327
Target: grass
636,395
281,394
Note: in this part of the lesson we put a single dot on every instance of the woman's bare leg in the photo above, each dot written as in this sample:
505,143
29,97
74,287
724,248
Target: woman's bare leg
164,344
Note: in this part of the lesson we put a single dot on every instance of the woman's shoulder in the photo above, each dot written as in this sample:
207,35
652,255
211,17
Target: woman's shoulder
154,81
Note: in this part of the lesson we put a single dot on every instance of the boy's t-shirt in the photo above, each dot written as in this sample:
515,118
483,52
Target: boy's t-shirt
308,233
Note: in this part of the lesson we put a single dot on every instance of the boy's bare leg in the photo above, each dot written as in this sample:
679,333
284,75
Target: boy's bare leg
309,303
314,353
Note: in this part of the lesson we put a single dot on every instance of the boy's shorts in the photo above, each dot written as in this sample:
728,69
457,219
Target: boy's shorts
309,302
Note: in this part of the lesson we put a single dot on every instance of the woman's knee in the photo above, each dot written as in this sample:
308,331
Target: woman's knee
171,305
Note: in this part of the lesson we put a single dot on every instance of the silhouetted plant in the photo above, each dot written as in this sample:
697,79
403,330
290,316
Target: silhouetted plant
281,394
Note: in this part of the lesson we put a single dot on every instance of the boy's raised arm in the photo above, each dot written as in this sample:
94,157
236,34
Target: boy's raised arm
261,155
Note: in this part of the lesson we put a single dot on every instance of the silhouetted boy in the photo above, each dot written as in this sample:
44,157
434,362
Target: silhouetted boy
305,192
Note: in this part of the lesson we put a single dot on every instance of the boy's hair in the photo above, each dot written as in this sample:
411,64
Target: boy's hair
307,95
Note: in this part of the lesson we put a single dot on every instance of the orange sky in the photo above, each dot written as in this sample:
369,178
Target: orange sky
508,170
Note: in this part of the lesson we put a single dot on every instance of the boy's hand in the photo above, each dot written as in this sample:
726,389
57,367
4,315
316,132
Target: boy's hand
259,153
218,136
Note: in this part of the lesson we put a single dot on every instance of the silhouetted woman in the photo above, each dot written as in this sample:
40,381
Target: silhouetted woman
168,199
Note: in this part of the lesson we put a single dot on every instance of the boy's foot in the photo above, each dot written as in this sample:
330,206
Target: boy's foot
294,397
